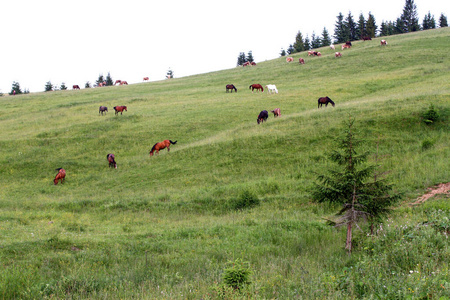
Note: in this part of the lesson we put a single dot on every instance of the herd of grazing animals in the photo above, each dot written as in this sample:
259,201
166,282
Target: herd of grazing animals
262,116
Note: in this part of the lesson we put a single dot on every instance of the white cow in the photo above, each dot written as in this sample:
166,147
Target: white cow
271,88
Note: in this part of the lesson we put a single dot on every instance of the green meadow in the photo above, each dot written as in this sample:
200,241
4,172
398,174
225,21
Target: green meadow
168,226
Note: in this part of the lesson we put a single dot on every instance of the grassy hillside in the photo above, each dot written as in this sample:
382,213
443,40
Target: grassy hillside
166,226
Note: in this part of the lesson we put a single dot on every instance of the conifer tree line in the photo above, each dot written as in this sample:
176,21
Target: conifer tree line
347,29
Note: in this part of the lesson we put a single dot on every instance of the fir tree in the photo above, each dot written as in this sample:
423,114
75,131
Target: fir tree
48,87
307,43
63,87
354,185
290,49
299,43
325,40
100,79
339,30
283,52
361,29
443,21
250,57
109,80
241,59
15,87
315,41
87,85
350,27
410,20
371,27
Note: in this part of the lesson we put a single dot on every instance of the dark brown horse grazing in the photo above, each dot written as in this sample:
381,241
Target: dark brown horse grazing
60,176
111,160
161,145
324,100
231,87
256,87
120,109
263,115
118,81
102,109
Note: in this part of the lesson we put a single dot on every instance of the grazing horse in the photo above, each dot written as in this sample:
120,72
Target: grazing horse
76,87
161,145
383,42
146,79
123,83
103,109
60,176
301,61
111,159
253,63
276,112
118,81
366,38
337,54
324,100
263,115
271,88
120,109
289,59
256,87
231,87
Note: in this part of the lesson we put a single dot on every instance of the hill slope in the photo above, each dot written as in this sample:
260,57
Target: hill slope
166,224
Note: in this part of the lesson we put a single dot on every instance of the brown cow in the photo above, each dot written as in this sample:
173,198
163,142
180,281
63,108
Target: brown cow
76,87
301,61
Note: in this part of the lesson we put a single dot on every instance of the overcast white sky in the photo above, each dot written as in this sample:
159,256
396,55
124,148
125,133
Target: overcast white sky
75,41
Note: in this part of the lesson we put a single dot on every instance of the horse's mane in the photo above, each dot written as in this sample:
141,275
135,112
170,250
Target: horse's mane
153,148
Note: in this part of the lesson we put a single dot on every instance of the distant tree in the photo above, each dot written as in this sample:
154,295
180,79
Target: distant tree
307,43
386,28
340,33
48,86
169,74
361,29
63,87
26,91
326,39
398,27
429,22
371,26
15,87
299,43
350,27
283,52
250,57
353,184
87,85
109,80
290,49
410,17
241,59
443,21
315,41
100,79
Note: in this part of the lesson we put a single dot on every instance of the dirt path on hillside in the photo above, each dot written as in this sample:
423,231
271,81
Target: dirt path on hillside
443,188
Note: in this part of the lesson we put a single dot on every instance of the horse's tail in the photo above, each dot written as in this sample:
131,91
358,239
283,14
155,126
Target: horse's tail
249,87
173,143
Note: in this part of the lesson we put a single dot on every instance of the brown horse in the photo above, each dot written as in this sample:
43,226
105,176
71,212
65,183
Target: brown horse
231,87
102,109
256,87
60,176
324,100
118,81
120,109
161,145
111,160
146,79
123,83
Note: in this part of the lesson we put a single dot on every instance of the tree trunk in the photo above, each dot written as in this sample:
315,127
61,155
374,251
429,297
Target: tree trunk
348,244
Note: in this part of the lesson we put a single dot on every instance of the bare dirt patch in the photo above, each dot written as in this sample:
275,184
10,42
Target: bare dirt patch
443,188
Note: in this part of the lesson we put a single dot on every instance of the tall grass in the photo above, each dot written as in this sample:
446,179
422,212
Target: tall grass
166,226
